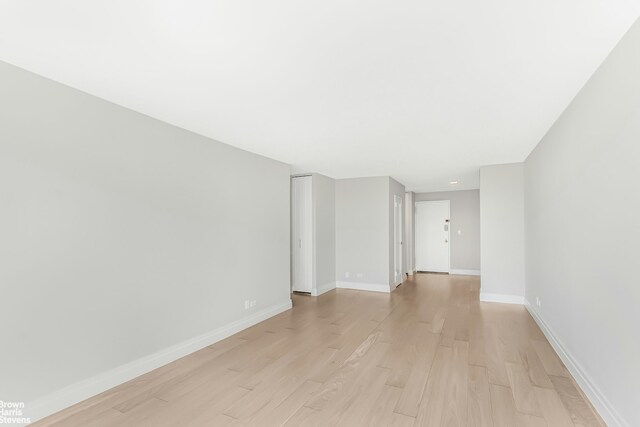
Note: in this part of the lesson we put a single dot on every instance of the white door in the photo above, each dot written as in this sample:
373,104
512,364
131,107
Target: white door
432,236
397,240
302,234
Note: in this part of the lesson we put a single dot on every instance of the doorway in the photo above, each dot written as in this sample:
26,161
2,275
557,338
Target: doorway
397,240
301,234
432,236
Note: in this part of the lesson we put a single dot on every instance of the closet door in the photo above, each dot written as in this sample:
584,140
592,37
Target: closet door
302,234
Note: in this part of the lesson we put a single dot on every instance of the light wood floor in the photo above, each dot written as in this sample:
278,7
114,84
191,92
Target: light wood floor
427,354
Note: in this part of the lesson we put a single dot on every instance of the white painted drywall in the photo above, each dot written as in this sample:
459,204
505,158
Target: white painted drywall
409,241
395,189
423,90
324,220
122,235
502,231
362,230
582,205
465,216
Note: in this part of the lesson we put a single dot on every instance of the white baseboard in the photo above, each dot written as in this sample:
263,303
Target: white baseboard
373,287
85,389
608,413
464,272
502,298
321,289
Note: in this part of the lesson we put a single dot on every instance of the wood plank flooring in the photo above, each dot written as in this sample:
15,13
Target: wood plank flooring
429,354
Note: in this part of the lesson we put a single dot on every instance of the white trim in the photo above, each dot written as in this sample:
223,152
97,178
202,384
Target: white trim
502,298
373,287
601,404
85,389
325,287
465,272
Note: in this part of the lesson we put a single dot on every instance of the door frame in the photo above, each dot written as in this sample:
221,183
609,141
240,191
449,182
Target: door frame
309,257
415,229
398,239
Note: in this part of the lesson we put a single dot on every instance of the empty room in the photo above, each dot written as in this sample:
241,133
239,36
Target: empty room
319,213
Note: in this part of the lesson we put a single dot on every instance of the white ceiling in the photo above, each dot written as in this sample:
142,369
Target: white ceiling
423,90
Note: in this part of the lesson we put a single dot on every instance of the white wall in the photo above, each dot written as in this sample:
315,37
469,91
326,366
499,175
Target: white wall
502,231
409,231
122,236
362,232
395,189
465,216
582,205
324,229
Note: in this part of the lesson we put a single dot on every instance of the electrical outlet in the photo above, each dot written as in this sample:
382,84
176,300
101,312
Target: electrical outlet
247,303
253,303
360,275
538,303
